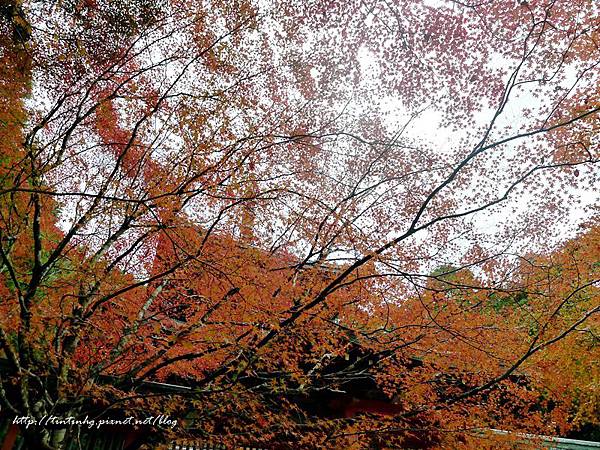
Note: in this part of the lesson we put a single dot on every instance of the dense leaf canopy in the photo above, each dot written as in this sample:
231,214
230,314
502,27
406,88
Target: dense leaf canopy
336,224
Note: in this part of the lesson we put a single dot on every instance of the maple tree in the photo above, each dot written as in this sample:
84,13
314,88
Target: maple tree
245,198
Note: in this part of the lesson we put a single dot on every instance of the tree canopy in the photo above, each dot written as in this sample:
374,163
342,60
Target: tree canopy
339,224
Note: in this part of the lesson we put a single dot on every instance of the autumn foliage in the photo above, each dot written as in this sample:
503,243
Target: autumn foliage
329,224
